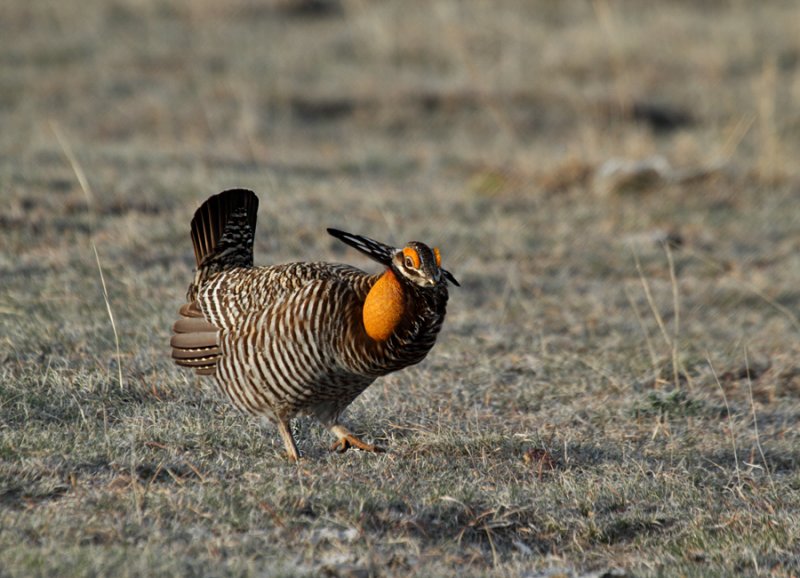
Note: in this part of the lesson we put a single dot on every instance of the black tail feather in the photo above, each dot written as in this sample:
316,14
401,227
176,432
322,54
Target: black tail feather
223,229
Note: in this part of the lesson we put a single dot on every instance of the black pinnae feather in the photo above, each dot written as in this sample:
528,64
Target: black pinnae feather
370,247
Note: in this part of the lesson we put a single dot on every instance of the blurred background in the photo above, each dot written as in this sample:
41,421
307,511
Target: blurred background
615,184
524,132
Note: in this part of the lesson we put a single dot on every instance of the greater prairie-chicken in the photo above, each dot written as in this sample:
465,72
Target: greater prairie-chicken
302,338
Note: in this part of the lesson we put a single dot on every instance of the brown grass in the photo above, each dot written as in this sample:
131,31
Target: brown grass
616,388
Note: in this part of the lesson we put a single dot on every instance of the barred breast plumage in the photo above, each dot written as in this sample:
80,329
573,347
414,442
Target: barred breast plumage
302,338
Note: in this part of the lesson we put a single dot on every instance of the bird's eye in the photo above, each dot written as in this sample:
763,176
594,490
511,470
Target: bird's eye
409,262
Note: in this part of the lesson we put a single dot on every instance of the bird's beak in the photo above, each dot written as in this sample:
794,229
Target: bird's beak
449,276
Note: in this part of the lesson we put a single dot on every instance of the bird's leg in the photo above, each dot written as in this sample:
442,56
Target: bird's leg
288,440
348,440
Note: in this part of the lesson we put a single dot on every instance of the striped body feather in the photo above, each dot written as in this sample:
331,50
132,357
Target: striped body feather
292,341
302,338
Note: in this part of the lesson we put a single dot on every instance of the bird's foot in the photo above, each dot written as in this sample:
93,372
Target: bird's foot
348,439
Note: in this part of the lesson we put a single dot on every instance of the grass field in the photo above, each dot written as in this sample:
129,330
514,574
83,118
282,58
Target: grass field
616,391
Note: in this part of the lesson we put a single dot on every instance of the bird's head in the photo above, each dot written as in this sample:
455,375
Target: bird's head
415,262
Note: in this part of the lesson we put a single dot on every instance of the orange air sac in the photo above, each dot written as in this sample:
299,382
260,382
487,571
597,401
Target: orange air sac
384,307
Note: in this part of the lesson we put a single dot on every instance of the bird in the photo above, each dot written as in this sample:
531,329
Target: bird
303,338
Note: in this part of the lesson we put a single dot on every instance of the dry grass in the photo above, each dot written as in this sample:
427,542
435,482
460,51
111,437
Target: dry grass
617,387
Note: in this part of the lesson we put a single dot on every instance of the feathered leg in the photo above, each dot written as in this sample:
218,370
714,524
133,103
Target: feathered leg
288,440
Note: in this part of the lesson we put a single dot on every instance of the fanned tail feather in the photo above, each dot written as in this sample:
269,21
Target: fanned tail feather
195,344
223,229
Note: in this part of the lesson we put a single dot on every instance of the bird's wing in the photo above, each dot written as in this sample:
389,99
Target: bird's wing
234,305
